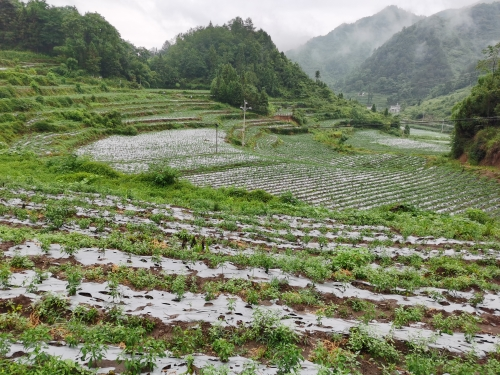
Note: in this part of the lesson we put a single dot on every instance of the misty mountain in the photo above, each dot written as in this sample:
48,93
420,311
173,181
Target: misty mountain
435,55
339,52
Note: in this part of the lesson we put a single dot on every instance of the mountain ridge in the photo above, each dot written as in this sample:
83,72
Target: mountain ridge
352,43
437,53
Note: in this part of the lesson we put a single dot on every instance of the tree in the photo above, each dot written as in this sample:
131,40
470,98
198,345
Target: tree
492,56
93,60
407,130
71,64
8,25
317,75
374,108
226,86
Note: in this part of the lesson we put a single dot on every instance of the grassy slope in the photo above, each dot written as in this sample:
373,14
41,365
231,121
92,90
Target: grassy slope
436,108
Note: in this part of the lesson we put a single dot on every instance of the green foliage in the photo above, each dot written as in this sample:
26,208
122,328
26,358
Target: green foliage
21,261
288,358
474,133
422,363
223,348
361,339
340,361
44,126
186,341
57,212
268,329
299,116
72,164
403,316
431,56
334,138
288,198
93,348
5,275
161,175
179,286
51,308
478,215
407,130
212,370
465,322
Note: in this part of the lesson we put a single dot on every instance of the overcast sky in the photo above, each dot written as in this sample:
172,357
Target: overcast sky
148,23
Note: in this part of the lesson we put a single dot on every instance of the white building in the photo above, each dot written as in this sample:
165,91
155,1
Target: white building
395,109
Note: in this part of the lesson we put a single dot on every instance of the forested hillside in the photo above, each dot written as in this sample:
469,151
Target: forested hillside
239,60
477,128
87,42
346,47
235,60
437,54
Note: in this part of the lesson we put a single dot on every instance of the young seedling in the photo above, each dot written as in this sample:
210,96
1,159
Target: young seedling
231,305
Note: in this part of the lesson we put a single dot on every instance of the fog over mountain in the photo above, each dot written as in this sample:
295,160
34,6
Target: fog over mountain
342,50
440,51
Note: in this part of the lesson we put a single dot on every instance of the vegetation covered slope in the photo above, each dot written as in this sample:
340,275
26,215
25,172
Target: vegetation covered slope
202,54
346,47
477,128
436,52
245,61
83,42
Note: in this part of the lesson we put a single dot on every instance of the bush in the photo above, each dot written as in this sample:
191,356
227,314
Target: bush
7,92
288,198
35,87
128,130
299,116
72,164
161,175
477,215
44,126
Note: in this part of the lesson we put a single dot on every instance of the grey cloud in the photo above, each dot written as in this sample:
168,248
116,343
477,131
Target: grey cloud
290,23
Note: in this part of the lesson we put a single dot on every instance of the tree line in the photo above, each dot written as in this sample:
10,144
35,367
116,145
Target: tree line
477,117
87,42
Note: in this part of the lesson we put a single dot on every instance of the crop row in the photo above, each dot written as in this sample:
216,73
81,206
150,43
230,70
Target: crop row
340,188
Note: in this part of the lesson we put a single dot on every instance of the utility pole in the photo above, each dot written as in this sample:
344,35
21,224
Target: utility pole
244,108
216,137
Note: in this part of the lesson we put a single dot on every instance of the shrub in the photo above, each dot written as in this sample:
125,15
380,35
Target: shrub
128,130
161,175
35,87
74,164
288,198
44,126
477,215
7,92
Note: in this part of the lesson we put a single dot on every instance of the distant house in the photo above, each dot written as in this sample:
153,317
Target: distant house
395,109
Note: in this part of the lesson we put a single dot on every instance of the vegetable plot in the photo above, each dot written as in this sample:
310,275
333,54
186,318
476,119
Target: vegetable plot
135,287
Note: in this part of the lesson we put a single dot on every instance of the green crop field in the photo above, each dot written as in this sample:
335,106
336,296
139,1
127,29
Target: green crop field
138,235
